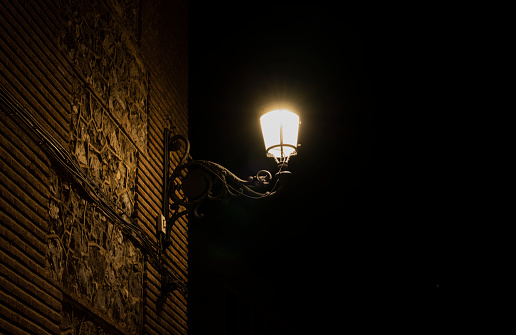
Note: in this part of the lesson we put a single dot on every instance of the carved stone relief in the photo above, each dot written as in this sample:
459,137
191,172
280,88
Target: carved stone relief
86,252
89,255
99,40
103,150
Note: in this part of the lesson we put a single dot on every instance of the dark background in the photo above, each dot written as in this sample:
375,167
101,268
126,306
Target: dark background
369,210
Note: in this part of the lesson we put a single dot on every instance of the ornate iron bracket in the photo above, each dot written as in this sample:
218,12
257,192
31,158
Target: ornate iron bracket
194,181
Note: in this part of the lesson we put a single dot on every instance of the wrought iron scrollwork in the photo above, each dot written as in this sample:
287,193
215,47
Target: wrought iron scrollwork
194,181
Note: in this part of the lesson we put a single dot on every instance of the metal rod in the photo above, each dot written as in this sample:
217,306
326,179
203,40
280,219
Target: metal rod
166,167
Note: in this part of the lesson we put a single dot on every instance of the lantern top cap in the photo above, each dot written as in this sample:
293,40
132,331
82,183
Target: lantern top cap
281,105
280,111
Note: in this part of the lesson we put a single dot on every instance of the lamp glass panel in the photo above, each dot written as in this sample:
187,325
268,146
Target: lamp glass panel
280,127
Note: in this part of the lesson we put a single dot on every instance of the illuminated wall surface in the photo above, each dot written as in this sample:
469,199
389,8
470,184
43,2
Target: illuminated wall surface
104,78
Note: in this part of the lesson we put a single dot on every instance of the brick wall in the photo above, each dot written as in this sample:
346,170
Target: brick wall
102,79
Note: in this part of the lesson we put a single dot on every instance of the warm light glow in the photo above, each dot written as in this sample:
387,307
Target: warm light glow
280,129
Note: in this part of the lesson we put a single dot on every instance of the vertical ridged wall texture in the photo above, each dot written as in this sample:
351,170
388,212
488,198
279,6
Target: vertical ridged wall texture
104,79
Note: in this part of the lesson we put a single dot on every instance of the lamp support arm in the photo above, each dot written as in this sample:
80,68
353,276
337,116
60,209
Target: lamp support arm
193,181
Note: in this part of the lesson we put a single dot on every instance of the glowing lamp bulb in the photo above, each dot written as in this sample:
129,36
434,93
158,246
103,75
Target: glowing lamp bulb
280,129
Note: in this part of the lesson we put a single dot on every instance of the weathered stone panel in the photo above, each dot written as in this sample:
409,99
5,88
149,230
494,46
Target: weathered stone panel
103,149
103,52
93,260
86,251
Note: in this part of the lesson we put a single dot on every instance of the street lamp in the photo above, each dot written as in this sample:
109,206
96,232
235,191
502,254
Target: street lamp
193,181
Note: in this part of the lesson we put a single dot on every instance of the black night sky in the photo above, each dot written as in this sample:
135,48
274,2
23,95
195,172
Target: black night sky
365,213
